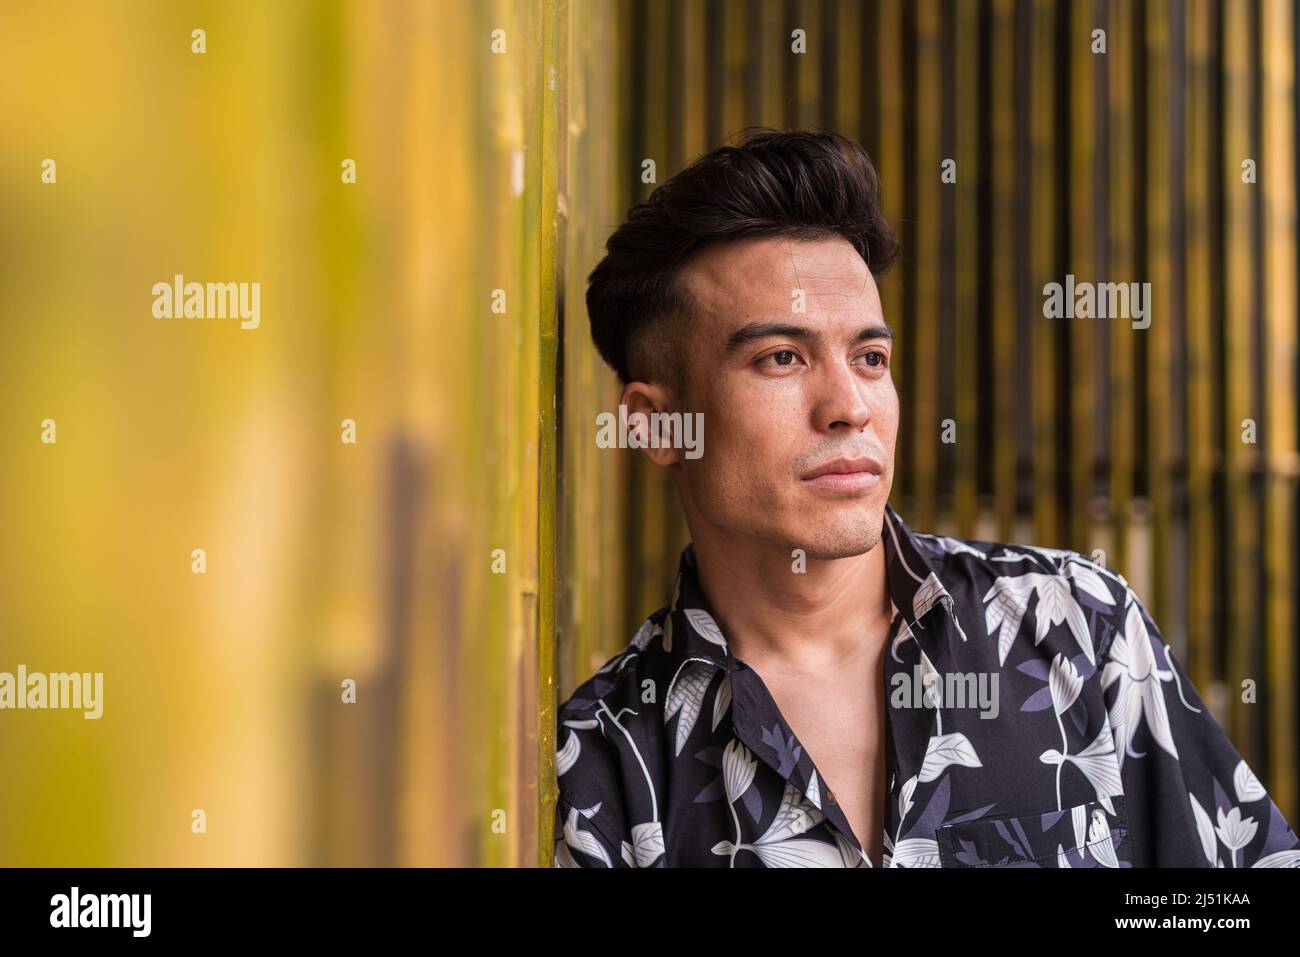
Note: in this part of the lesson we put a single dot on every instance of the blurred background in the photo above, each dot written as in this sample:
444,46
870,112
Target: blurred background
473,555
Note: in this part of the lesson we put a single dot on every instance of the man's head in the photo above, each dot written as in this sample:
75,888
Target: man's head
743,290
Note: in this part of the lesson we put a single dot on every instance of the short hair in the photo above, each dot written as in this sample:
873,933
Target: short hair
806,184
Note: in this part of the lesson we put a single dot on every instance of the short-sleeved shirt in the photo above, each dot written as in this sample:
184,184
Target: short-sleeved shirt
1035,717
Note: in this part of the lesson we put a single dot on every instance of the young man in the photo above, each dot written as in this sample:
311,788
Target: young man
828,688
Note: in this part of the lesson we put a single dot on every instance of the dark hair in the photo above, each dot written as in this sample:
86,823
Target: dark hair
804,184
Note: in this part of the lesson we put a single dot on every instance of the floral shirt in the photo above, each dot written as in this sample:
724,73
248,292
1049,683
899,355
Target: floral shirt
1098,753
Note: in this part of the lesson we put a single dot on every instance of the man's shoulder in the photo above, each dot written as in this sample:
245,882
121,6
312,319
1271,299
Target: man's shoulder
617,683
1000,559
609,724
1008,581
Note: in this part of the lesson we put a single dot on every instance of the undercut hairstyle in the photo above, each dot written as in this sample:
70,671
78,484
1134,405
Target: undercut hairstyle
802,184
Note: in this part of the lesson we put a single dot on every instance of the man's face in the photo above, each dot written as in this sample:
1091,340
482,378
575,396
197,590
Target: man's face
789,360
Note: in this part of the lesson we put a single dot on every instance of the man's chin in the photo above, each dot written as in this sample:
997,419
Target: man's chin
830,540
829,551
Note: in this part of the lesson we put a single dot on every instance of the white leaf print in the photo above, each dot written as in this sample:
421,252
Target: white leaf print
904,633
781,844
945,750
626,851
1132,663
647,842
1279,859
1235,831
1100,844
1204,829
1010,600
567,755
687,696
1098,763
794,817
1088,580
643,635
1056,604
1246,784
851,856
1061,859
1065,683
930,592
563,856
584,841
814,792
931,683
708,629
1079,817
1056,554
916,852
721,701
802,852
905,797
738,768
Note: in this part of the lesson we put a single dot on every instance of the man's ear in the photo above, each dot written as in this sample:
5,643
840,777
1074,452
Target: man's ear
646,431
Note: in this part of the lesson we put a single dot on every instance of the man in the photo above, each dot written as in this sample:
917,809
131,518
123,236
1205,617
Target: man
828,688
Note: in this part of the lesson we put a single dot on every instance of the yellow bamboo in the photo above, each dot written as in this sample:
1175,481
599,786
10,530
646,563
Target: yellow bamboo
966,346
1239,147
537,763
885,62
1280,376
1006,394
1082,333
1123,267
1159,335
1044,270
925,417
851,110
1199,189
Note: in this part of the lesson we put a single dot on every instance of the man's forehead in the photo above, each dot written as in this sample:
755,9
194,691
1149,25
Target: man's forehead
762,275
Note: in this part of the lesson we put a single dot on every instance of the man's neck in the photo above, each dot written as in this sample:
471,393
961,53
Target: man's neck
795,622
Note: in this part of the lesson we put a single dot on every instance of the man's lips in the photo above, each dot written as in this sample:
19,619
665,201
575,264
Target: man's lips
848,474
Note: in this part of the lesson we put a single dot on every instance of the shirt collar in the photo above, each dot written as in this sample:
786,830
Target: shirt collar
914,588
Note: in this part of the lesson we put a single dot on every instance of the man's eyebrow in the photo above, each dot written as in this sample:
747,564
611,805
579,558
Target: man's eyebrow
874,332
755,331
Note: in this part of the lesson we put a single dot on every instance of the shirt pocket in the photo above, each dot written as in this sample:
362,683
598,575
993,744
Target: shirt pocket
1085,835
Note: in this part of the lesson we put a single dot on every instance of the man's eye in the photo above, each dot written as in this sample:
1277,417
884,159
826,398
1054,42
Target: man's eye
883,359
784,357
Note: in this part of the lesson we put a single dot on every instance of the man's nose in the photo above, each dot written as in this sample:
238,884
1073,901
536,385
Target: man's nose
841,400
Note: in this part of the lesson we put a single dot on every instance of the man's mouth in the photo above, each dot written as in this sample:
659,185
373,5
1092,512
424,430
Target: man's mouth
846,474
